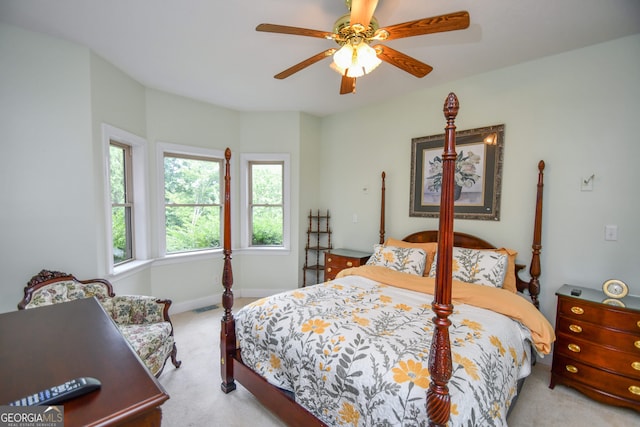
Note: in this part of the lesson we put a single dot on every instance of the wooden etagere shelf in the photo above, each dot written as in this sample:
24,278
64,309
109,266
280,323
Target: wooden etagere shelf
318,241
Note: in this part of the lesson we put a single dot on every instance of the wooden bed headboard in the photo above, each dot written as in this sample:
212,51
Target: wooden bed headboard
463,240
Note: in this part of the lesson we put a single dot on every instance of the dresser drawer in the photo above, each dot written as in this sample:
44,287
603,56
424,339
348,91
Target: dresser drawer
578,328
624,387
596,355
339,259
594,313
340,262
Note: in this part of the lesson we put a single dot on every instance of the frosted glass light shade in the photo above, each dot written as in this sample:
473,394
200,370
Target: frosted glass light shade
357,61
344,57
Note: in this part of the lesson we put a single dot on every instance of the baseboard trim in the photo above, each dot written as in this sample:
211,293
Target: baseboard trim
181,307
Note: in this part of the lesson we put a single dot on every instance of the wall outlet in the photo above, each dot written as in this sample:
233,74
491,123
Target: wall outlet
611,232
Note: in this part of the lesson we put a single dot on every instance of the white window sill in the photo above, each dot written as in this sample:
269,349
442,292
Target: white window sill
264,251
188,256
130,268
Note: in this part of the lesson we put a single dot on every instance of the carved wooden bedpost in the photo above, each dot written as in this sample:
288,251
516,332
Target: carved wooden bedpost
534,269
228,324
440,366
382,210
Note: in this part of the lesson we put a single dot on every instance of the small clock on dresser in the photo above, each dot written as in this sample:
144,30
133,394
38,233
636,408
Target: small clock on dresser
614,288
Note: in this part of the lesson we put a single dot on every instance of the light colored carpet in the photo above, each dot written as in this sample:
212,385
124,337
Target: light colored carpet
196,398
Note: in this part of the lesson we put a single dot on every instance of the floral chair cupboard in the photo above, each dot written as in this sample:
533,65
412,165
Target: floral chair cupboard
142,320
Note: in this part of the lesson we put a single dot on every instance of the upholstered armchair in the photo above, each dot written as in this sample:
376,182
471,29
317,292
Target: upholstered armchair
143,320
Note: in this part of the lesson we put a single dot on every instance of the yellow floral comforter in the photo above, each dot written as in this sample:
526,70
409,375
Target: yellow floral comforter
354,352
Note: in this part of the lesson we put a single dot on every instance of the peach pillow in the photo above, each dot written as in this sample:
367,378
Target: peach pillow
510,276
429,248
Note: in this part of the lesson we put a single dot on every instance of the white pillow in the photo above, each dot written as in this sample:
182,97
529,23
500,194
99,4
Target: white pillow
482,267
406,260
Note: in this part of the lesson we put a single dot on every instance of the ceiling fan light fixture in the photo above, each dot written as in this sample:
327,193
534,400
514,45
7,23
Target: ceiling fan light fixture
344,56
367,57
355,61
348,72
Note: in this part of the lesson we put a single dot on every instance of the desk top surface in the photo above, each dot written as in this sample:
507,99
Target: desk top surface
46,346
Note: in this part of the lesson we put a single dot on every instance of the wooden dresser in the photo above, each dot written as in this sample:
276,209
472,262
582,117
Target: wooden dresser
337,260
597,350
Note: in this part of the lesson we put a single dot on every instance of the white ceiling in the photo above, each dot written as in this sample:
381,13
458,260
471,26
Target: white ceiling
209,49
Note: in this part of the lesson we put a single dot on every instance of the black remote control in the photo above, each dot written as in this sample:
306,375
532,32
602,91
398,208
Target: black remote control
60,393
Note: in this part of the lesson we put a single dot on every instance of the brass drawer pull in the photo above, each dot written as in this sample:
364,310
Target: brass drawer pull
329,260
574,347
636,366
575,328
638,323
634,389
329,270
349,264
637,344
572,369
577,310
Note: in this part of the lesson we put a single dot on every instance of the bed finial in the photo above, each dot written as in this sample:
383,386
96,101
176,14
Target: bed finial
451,107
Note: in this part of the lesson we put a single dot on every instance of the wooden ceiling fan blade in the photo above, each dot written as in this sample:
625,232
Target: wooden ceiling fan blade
435,24
402,61
304,64
362,11
347,85
296,31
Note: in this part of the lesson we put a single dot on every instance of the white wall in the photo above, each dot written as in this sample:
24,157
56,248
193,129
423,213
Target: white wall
309,178
47,175
576,111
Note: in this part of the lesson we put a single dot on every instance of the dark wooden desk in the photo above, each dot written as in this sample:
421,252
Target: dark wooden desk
46,346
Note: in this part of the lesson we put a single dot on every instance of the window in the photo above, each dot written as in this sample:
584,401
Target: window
125,198
265,190
192,199
121,183
266,204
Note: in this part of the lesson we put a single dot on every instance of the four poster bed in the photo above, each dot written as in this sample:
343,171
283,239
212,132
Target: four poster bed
365,348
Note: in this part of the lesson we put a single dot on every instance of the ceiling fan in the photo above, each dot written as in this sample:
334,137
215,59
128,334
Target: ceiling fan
355,32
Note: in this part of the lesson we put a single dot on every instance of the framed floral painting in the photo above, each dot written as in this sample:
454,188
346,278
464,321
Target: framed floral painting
478,174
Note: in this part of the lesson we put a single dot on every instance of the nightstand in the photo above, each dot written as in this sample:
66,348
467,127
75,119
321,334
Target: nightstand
597,350
337,260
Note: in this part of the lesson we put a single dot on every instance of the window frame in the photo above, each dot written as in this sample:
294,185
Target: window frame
246,159
162,149
129,199
138,176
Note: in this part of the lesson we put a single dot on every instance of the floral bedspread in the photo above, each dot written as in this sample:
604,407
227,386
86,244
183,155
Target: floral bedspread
355,353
